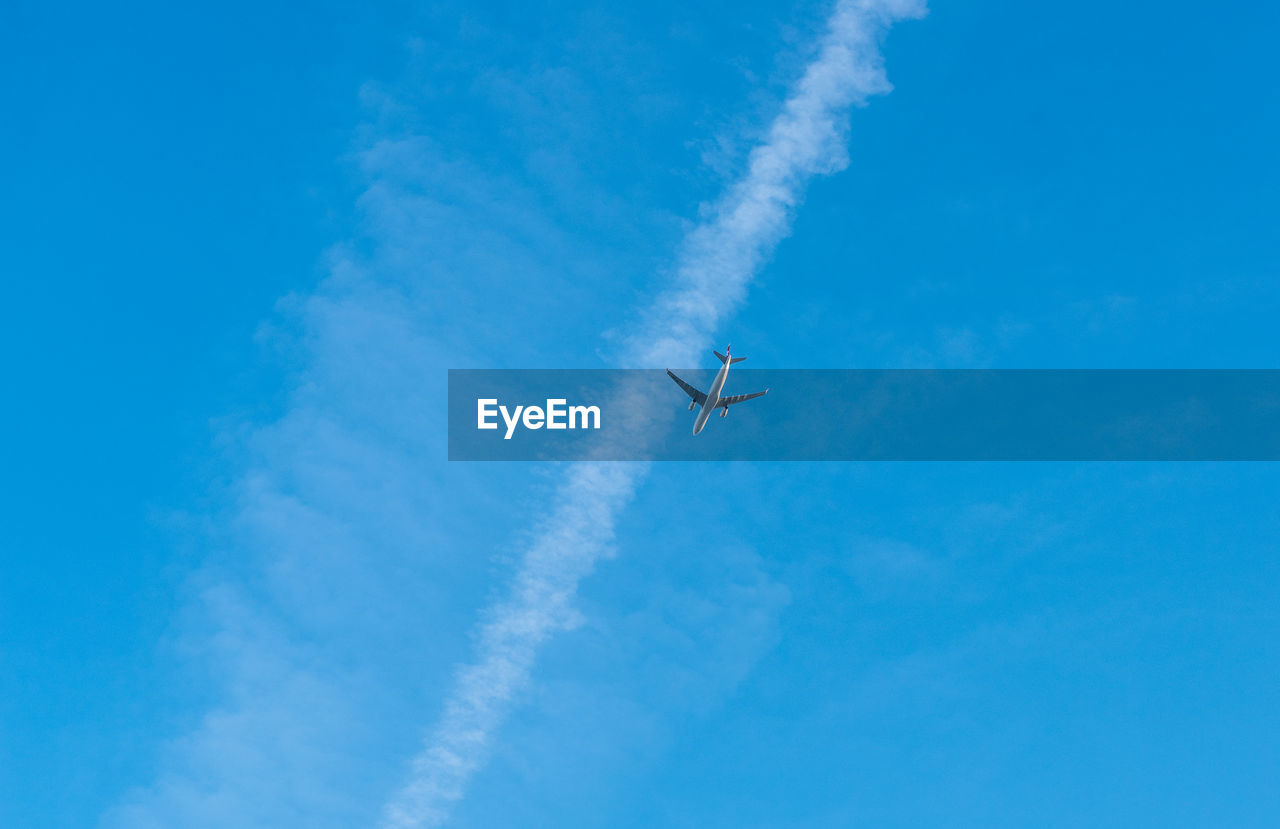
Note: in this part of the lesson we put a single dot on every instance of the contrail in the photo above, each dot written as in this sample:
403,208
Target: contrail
715,265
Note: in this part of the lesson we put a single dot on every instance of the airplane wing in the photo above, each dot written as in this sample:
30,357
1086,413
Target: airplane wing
698,397
738,398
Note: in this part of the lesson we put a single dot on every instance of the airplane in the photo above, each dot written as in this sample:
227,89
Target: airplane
712,399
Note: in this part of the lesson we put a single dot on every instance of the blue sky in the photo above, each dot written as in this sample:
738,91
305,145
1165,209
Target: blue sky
243,244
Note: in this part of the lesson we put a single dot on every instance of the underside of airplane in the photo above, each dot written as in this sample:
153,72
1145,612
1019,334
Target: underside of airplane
712,399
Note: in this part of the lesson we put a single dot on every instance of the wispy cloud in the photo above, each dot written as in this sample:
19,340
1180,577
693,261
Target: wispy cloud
333,536
714,268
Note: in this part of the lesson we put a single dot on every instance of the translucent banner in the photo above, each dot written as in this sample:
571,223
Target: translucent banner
866,415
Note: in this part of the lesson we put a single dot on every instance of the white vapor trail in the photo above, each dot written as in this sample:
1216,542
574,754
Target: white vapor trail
714,268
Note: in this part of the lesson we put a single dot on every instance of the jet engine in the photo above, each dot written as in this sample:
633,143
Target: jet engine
724,412
692,404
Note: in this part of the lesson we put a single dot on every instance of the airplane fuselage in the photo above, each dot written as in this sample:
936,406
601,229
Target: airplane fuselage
713,397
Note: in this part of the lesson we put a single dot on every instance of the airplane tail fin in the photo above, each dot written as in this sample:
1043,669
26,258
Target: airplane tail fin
725,359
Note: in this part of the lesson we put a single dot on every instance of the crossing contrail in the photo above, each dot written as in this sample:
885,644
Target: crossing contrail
714,267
